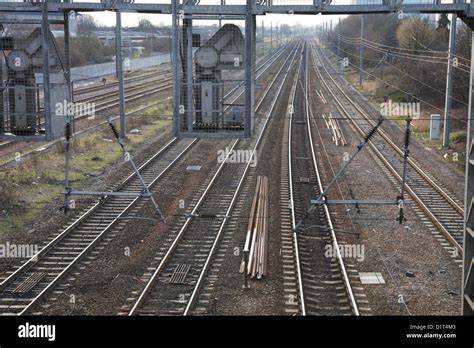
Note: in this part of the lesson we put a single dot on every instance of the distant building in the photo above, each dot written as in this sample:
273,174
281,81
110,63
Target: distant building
129,37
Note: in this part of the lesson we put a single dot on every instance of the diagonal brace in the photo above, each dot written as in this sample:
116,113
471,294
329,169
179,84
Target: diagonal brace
146,190
359,148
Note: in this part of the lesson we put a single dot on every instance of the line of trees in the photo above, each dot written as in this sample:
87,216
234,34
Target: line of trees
417,37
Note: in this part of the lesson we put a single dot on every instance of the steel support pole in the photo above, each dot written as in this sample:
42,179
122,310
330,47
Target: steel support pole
331,46
250,24
277,35
174,52
327,35
67,65
69,127
170,41
271,37
449,81
2,104
120,75
67,53
253,64
339,39
220,20
151,40
189,73
467,285
46,75
361,51
263,39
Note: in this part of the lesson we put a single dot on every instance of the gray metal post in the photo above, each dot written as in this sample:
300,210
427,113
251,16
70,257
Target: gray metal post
220,20
449,81
324,33
67,53
174,49
253,64
263,39
170,43
189,74
151,40
46,76
278,35
2,105
271,37
331,47
250,23
361,51
120,75
327,35
67,65
339,39
468,245
69,128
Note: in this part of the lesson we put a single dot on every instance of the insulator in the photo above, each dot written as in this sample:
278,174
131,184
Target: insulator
68,131
114,130
407,135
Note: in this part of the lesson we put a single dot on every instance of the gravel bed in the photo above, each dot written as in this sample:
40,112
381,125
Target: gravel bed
104,284
412,261
265,296
53,221
444,171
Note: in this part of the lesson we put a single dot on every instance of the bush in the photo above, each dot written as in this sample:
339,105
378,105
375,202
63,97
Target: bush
458,137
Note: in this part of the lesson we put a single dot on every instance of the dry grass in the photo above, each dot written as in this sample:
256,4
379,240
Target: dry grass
370,86
8,193
422,124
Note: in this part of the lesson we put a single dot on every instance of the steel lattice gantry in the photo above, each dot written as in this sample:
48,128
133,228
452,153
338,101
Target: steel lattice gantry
188,10
258,7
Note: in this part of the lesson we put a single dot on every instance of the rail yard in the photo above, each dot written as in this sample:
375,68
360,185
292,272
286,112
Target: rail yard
259,171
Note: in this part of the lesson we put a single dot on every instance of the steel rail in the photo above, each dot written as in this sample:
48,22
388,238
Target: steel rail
158,270
315,166
326,209
412,192
237,190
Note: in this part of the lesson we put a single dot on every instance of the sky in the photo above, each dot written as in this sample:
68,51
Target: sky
131,19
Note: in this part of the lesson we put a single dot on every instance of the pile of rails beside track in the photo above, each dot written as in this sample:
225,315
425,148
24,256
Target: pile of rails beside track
256,242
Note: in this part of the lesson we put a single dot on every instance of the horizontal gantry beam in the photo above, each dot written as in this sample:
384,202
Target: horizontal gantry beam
317,7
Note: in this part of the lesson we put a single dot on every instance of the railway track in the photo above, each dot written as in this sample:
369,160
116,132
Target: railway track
104,102
147,75
432,197
323,283
134,93
108,99
26,286
176,282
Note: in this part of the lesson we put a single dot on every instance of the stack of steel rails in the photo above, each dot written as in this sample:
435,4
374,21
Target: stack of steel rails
255,249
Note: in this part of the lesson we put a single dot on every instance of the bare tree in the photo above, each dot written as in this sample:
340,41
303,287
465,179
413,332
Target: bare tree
416,34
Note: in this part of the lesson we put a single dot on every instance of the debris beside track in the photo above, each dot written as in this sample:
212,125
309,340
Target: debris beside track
333,123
